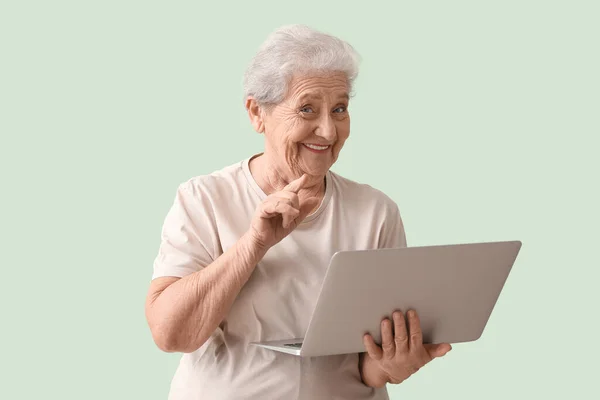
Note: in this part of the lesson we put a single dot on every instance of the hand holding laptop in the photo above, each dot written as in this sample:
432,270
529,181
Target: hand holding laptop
402,352
453,287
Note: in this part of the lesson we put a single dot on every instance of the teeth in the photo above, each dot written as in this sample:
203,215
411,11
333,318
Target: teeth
312,146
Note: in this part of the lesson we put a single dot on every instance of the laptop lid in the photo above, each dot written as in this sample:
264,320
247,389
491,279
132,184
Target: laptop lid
453,288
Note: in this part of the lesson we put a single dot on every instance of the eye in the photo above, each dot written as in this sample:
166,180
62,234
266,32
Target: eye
342,108
306,109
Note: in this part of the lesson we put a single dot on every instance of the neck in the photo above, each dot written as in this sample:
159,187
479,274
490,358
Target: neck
271,178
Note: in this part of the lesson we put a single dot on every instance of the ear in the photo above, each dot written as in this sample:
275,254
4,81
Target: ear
255,113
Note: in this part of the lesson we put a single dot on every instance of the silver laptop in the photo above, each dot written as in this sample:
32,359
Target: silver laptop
453,288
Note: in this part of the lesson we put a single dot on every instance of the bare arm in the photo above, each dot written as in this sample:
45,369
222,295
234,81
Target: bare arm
183,313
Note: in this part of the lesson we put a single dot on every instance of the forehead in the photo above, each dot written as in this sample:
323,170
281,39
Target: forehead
332,86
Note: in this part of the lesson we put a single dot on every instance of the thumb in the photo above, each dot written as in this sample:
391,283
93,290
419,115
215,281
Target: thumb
306,208
437,350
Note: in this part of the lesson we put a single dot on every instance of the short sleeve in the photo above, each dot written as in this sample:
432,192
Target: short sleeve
392,232
187,237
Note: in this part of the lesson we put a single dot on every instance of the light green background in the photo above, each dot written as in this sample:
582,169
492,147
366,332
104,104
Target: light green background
480,118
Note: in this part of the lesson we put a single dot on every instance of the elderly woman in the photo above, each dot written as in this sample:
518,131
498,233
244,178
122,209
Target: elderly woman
245,249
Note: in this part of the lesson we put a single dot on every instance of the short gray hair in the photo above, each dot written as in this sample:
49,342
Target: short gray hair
296,50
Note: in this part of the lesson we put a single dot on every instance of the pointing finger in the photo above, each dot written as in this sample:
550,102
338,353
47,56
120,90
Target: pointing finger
276,207
290,197
296,185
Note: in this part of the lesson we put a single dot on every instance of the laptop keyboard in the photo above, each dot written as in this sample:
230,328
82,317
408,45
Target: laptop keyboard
297,345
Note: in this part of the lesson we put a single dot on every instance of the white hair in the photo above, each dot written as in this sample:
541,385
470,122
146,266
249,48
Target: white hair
296,50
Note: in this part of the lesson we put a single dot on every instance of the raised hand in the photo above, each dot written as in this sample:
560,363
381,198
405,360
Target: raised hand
280,213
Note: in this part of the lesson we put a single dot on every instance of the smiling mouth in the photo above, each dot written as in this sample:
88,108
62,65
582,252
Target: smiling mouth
315,147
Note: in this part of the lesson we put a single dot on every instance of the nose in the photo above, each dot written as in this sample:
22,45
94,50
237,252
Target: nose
326,128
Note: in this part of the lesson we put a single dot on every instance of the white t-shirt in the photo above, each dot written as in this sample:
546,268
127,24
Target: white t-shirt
210,213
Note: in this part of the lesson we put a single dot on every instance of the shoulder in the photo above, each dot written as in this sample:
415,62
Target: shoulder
200,199
362,194
219,184
373,210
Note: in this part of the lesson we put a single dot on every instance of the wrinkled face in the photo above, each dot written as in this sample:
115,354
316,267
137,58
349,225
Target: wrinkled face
306,131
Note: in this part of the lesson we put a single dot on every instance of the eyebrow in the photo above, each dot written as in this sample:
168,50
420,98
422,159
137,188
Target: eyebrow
311,96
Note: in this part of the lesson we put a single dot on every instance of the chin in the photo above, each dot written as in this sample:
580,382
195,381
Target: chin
317,170
310,167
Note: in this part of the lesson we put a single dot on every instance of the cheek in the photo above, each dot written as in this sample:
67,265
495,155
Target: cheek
291,137
343,131
338,148
343,134
298,132
284,135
